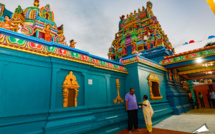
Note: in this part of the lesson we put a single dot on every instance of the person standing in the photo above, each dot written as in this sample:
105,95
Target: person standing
147,113
132,110
201,100
209,98
213,98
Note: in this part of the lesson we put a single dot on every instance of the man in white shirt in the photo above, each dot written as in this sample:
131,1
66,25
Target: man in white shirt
213,98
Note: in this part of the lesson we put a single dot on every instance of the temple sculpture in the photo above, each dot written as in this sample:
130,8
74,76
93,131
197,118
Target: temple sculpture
33,21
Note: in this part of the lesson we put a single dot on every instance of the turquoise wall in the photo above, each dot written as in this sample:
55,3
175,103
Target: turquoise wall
31,96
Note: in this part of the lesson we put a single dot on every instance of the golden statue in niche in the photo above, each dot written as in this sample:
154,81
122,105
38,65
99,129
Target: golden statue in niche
118,98
70,91
154,87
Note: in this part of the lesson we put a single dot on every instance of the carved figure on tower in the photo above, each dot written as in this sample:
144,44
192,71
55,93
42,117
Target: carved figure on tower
134,46
47,33
72,43
36,3
124,49
7,24
149,9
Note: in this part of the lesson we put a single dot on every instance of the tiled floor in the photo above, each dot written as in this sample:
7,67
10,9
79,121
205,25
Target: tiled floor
190,121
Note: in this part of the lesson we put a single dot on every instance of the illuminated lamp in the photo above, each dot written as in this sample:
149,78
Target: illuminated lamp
199,60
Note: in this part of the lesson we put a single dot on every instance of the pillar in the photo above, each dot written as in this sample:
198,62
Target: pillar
190,84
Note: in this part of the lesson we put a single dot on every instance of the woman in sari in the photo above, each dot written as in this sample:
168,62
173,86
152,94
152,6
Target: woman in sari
147,112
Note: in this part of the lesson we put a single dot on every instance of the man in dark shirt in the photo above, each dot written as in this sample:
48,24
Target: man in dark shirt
209,98
132,109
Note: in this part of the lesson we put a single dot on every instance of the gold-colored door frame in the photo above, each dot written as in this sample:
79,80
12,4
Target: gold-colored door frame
70,84
153,78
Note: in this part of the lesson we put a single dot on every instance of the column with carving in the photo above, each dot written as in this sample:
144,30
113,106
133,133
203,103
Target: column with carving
65,97
190,84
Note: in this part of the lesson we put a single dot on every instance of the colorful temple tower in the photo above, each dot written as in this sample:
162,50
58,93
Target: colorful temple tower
138,32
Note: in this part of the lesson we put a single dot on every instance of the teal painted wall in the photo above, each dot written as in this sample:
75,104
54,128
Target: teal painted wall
31,95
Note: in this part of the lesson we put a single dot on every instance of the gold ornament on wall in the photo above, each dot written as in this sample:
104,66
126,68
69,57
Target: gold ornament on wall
118,98
70,91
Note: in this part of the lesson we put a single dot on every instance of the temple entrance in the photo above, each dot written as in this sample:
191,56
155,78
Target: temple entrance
155,89
71,98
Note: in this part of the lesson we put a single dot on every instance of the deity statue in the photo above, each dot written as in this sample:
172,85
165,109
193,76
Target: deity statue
115,36
156,42
149,9
134,46
170,75
131,16
72,43
36,3
109,54
124,49
116,54
139,10
175,75
145,46
169,46
116,44
48,32
128,43
121,22
7,24
143,8
148,45
173,50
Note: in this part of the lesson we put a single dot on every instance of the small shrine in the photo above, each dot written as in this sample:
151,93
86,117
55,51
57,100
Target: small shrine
138,31
33,21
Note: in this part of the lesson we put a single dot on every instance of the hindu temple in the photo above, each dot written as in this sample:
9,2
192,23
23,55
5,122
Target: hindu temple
48,86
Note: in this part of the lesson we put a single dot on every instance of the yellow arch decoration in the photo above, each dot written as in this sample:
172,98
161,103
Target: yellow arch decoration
70,91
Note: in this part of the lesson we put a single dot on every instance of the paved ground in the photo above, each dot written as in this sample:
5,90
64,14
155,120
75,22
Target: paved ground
184,123
190,121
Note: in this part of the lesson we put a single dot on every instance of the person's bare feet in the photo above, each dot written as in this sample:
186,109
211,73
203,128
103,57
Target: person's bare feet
129,132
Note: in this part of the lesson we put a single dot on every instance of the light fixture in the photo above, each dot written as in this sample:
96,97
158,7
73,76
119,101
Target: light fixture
209,72
207,64
199,60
